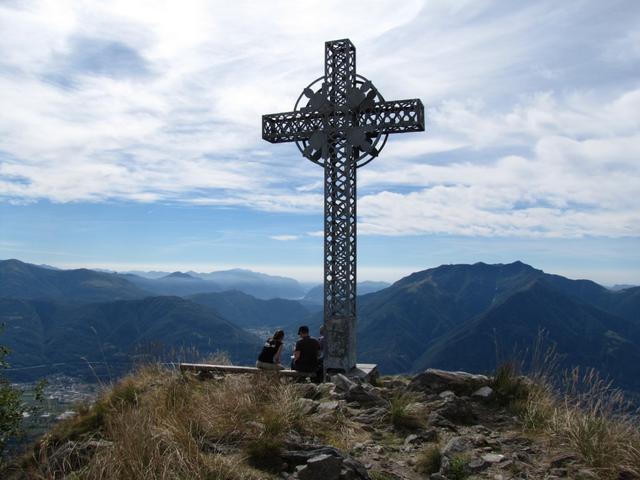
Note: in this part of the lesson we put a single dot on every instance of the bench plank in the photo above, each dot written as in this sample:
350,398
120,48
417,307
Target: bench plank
204,367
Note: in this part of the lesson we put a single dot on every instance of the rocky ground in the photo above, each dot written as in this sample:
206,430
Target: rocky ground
160,424
438,425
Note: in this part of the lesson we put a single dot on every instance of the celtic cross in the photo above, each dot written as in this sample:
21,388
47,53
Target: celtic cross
341,122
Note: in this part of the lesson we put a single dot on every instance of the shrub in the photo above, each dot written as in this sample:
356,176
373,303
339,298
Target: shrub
12,407
264,452
509,385
458,468
429,460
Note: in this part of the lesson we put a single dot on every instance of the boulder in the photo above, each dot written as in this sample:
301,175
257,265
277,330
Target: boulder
370,416
343,384
436,381
331,406
321,467
300,455
458,411
364,396
456,446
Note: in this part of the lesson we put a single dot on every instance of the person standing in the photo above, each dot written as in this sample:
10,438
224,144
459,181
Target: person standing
306,353
269,358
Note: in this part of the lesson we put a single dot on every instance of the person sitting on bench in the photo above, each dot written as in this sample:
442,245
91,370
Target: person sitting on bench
269,358
305,355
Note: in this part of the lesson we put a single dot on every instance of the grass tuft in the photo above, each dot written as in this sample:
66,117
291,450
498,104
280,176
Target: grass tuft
585,415
509,385
429,460
401,417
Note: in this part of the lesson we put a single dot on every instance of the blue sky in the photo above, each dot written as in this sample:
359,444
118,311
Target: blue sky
130,135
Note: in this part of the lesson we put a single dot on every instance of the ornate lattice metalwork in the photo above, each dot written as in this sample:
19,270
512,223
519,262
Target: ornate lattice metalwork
341,122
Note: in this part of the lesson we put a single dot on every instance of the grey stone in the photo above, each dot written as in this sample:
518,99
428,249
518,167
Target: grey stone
493,457
433,380
447,394
325,389
476,465
484,393
457,411
330,406
321,467
307,390
437,420
300,455
307,406
457,445
370,416
364,396
343,384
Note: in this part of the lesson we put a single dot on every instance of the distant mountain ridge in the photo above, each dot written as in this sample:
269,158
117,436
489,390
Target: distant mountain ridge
259,285
26,281
452,316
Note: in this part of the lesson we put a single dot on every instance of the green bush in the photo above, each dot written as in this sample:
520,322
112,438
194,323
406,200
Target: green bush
458,468
12,408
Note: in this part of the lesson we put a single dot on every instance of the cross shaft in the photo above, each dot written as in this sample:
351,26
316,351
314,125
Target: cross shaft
338,127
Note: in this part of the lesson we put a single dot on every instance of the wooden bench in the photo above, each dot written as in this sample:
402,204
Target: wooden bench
203,368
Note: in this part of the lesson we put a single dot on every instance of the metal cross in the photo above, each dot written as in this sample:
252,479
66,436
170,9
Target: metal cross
341,122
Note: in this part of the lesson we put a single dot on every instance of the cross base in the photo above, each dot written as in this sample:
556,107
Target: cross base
367,372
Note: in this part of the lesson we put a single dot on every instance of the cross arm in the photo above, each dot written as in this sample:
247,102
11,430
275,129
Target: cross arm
397,116
290,126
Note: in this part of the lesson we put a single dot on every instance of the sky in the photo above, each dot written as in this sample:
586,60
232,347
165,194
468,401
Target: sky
130,135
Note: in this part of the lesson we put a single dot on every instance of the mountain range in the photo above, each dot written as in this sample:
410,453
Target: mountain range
470,317
257,284
466,317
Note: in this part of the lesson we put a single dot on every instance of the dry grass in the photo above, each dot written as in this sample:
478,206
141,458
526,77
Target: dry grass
157,424
429,459
402,417
586,416
337,431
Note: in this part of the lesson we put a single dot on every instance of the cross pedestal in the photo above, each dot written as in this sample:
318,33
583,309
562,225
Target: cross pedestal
341,122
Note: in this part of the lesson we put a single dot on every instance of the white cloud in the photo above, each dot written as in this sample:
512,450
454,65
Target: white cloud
532,111
579,174
284,238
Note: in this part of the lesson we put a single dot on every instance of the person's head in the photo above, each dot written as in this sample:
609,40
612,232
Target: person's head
322,330
279,335
303,331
